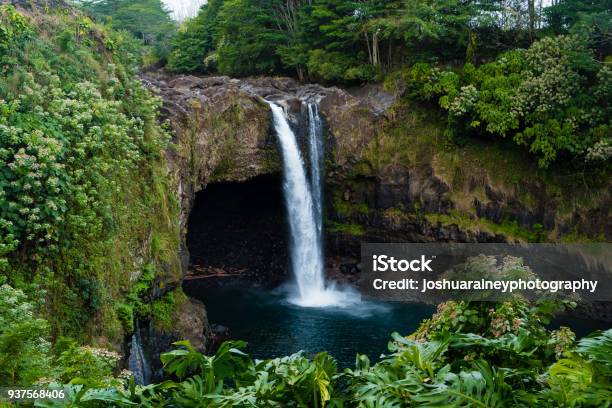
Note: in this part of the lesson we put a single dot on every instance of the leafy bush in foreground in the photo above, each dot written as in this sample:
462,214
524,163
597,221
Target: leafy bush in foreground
24,346
466,355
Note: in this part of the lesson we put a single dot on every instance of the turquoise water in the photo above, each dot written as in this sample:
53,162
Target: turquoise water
273,327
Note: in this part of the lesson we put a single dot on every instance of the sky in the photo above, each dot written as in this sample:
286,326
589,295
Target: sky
182,9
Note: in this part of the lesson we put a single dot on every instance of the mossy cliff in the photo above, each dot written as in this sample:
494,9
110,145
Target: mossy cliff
403,181
391,173
89,219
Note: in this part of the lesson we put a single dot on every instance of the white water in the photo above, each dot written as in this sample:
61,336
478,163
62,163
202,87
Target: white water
305,222
315,143
137,361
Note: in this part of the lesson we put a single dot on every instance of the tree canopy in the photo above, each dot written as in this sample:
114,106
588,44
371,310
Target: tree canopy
148,20
502,68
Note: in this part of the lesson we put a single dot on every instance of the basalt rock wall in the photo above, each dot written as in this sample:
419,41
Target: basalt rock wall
391,175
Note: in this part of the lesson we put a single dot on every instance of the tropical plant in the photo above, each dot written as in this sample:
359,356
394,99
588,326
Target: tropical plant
491,369
24,343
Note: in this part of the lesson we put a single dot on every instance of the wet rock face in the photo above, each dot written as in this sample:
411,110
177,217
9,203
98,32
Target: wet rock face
406,187
222,126
223,133
192,324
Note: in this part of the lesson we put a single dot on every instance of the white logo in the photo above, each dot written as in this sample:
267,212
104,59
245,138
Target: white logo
383,263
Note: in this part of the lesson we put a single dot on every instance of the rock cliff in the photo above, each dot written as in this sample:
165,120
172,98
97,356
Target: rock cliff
390,173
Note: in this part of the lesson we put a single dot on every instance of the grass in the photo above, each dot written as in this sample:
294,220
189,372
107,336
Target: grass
342,228
508,228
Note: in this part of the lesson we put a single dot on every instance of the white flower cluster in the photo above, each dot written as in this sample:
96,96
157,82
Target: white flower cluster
65,148
464,103
109,356
600,152
550,81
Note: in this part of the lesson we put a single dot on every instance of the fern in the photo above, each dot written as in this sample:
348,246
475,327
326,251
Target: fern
598,349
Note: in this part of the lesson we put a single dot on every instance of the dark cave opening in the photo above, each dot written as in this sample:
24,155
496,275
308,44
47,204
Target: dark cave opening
240,229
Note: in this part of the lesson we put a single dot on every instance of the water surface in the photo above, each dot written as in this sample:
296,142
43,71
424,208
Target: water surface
274,327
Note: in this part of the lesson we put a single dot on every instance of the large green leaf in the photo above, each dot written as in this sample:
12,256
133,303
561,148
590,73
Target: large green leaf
482,387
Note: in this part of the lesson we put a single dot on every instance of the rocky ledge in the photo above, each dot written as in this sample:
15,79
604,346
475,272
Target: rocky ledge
222,125
389,176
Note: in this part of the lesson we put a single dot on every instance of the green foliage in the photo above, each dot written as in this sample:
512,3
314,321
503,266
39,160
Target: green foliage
163,309
553,98
598,348
195,41
351,229
583,377
247,38
125,314
229,378
343,41
455,369
26,355
24,344
136,303
84,183
85,364
325,40
14,27
148,20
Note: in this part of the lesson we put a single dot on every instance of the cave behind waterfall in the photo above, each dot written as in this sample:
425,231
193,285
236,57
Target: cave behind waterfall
240,229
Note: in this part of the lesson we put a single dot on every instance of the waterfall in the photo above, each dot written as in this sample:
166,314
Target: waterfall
305,249
304,208
315,142
137,361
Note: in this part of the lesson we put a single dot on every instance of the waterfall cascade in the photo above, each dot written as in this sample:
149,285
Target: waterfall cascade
304,207
137,361
316,151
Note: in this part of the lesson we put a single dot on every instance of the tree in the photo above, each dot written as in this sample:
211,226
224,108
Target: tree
293,54
196,40
248,35
148,20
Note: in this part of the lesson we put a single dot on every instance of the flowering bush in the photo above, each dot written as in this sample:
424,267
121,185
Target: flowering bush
553,98
24,346
80,146
91,364
63,149
13,27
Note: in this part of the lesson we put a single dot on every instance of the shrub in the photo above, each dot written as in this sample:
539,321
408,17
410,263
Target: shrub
24,340
553,98
81,143
94,366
